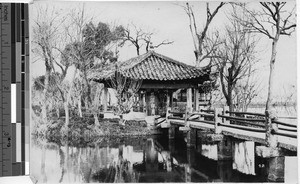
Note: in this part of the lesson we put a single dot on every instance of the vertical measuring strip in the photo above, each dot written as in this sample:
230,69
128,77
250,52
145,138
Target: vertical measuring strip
16,89
6,124
14,82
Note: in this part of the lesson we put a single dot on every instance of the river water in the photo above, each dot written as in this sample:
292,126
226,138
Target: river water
156,159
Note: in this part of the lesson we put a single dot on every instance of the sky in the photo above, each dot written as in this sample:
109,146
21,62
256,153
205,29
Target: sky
169,21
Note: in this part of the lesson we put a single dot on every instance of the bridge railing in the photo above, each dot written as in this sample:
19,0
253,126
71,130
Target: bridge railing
219,118
285,129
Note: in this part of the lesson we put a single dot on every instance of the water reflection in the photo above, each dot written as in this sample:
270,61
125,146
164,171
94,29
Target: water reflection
153,159
244,157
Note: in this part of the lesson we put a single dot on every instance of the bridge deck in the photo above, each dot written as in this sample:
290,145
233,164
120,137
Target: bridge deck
238,131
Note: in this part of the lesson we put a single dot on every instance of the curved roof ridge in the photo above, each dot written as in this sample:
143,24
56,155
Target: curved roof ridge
137,60
154,66
172,60
143,57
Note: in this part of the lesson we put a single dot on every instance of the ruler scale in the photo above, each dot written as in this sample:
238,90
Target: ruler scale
6,89
14,82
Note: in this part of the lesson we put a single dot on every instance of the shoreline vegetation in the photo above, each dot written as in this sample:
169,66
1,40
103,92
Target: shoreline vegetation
83,131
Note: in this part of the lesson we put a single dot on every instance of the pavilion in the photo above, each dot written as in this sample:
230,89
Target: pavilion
162,78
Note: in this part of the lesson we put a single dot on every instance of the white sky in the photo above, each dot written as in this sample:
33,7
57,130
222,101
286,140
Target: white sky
169,21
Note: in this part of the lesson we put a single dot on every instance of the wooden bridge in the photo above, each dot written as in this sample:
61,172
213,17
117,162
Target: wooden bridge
241,125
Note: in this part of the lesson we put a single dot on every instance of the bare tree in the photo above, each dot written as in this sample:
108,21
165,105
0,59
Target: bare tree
149,44
246,91
96,91
287,98
140,38
273,20
46,35
202,51
51,38
235,56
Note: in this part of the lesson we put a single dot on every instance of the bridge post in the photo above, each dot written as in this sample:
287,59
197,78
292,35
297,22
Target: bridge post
217,120
187,173
191,137
187,116
225,149
201,108
172,132
168,114
276,169
225,108
271,138
171,146
225,171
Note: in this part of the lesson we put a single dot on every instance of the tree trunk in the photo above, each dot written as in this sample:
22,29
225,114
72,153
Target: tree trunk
229,98
57,112
137,50
197,59
271,139
88,91
79,106
45,92
199,52
121,121
105,91
271,75
67,116
97,123
44,110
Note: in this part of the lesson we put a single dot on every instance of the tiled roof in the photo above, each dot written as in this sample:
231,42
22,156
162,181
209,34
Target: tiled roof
152,66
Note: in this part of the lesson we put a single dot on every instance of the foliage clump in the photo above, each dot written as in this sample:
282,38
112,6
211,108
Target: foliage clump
83,131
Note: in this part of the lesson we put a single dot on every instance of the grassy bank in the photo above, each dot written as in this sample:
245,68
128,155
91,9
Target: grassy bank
84,131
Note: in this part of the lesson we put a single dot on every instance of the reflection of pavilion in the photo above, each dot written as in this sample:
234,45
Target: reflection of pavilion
148,160
157,165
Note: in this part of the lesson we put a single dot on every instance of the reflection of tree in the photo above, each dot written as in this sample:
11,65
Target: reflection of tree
243,159
124,172
62,164
118,172
43,165
151,156
105,175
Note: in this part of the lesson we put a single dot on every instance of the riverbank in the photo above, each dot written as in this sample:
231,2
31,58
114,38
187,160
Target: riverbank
82,131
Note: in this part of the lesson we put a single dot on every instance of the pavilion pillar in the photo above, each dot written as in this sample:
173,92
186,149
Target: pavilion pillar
168,100
196,99
105,91
171,98
144,103
189,102
152,104
140,104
